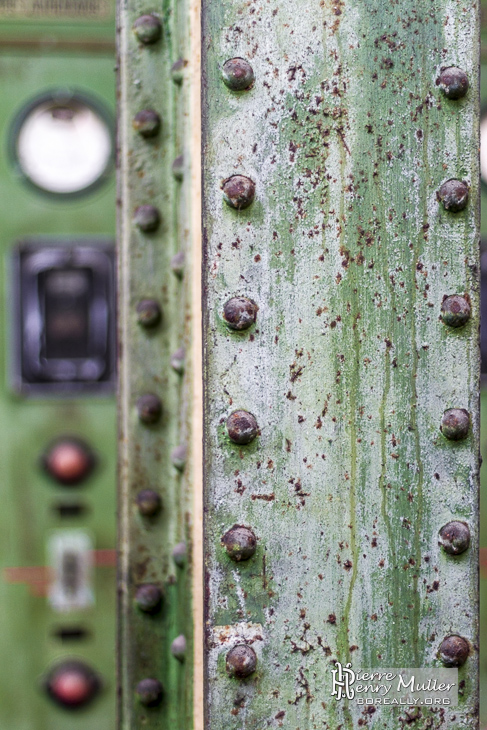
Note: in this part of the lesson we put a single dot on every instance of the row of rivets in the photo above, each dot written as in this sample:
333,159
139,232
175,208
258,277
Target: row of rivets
239,192
455,423
240,542
455,312
242,426
240,313
238,75
147,218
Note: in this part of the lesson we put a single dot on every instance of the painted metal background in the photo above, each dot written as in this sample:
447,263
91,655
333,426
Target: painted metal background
348,369
154,265
36,55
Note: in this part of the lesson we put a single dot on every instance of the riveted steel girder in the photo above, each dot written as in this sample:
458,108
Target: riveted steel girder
155,630
327,264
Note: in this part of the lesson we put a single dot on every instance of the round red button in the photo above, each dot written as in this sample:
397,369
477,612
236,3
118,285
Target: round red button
72,684
69,461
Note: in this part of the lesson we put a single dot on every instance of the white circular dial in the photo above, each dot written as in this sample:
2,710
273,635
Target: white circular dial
63,147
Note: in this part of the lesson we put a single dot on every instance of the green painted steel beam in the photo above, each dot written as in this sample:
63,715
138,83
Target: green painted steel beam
348,253
155,635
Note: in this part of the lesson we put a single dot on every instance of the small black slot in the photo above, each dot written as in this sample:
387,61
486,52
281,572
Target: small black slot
71,633
64,509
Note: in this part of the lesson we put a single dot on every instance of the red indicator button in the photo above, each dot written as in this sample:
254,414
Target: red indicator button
69,461
72,684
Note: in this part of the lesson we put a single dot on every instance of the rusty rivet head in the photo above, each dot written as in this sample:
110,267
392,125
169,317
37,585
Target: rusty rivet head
69,461
455,537
147,123
178,647
453,82
238,191
238,74
241,661
453,195
148,598
149,692
177,71
455,424
149,408
240,313
455,310
242,427
148,29
178,167
177,360
177,264
148,313
179,554
239,542
178,457
147,218
148,502
453,651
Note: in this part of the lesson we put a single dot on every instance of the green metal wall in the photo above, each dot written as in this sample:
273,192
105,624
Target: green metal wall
39,53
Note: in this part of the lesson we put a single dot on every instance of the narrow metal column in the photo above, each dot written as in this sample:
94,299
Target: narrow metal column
155,635
340,218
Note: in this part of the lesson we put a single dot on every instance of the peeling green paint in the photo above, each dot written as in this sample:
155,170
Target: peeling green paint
348,368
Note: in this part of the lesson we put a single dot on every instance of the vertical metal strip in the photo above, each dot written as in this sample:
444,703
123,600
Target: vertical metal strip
196,368
155,621
341,315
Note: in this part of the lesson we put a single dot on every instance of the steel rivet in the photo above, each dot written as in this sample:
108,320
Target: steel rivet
177,71
240,313
149,692
241,661
455,424
453,195
177,360
148,598
455,537
149,408
242,427
453,651
238,191
178,457
178,647
239,542
453,82
179,554
238,74
178,167
177,264
149,502
455,310
148,313
147,123
148,29
147,218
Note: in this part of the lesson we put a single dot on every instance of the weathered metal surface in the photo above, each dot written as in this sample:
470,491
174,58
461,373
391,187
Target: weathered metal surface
155,506
348,251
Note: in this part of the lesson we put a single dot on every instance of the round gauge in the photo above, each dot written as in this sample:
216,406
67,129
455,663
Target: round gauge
63,143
